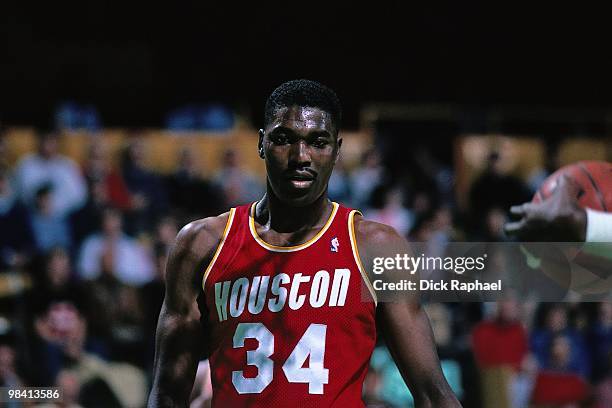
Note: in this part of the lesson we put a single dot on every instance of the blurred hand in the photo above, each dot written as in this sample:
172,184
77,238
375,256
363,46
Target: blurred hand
62,325
558,218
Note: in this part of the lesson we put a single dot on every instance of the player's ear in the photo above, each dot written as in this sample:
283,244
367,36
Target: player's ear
260,144
338,150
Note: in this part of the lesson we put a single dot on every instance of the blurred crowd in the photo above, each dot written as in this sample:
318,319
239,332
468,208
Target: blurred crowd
89,241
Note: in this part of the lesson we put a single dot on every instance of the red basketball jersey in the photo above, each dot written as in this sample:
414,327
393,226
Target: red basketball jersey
288,326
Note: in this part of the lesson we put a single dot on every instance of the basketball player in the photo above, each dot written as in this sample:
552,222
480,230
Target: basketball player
559,217
274,290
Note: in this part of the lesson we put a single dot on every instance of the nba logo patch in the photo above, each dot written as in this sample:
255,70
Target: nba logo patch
334,244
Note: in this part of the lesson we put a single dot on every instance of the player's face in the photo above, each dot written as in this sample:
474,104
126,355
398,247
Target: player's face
300,147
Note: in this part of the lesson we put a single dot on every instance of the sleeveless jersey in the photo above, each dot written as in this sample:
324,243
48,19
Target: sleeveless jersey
288,326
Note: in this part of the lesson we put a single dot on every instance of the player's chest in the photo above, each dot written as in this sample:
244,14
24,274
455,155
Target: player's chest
283,289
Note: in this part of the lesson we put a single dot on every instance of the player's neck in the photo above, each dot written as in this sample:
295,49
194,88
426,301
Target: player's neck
280,217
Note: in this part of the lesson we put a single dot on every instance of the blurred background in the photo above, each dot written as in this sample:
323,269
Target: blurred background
122,122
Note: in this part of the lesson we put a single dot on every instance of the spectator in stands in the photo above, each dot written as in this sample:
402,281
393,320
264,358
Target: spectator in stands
423,228
558,385
389,386
495,218
106,189
603,390
68,382
63,340
555,325
501,343
57,282
145,187
552,163
118,317
88,219
443,231
16,239
339,187
438,174
387,207
112,252
560,353
59,337
98,168
434,229
600,341
166,231
366,178
127,329
238,184
50,229
190,194
421,202
153,292
494,189
152,296
440,320
502,340
48,167
9,376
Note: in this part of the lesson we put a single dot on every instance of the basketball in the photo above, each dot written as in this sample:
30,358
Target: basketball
594,179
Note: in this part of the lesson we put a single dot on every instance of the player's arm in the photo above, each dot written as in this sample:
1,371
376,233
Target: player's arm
405,325
179,336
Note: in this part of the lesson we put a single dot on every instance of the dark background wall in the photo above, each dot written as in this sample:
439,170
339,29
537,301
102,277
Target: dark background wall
136,60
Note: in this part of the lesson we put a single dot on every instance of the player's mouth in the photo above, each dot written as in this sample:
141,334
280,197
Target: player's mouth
301,179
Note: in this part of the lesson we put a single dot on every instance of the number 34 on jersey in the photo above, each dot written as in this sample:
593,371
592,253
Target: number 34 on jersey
311,346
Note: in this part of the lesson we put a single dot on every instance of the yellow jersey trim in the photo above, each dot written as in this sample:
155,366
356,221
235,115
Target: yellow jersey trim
355,249
276,248
228,226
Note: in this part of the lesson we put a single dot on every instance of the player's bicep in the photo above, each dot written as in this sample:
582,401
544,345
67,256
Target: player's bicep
181,275
179,315
179,336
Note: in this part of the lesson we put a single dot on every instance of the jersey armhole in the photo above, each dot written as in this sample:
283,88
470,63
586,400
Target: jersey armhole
228,227
354,247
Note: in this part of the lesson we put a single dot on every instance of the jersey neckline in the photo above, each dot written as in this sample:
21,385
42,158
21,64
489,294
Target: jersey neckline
293,248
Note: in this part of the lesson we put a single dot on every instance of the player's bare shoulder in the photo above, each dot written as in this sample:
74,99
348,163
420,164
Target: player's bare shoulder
201,237
376,239
194,247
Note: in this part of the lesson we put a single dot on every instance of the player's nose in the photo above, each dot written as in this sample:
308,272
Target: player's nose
299,153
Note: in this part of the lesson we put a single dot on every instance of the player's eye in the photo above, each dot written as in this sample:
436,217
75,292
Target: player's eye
279,138
320,142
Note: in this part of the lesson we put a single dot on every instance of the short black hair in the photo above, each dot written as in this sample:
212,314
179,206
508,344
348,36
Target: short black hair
304,92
